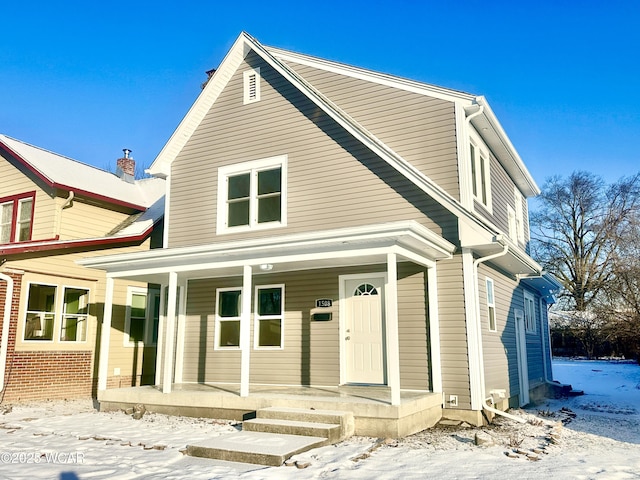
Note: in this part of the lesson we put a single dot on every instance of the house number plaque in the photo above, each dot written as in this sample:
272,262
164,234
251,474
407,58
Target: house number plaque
324,303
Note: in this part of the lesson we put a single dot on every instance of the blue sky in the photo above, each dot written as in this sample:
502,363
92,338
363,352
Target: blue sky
87,79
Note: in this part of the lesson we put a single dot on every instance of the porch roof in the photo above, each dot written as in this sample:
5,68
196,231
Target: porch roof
361,245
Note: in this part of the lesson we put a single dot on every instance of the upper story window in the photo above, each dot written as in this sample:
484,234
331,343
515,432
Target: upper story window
251,85
519,214
252,195
480,173
16,218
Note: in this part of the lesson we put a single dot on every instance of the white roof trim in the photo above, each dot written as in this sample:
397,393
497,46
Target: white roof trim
409,235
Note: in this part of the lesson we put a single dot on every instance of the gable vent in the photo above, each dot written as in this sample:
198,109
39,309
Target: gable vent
252,86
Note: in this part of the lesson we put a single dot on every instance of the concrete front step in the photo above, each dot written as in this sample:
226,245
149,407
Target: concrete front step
255,447
334,417
329,431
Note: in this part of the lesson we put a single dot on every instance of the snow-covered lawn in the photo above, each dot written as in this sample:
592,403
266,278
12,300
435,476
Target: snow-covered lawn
597,435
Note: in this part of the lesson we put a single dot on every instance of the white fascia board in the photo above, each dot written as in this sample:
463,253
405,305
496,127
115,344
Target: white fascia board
324,244
528,184
373,76
161,166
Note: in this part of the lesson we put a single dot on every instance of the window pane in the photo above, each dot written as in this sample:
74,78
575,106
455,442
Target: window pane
270,333
490,293
138,305
76,300
238,213
269,209
492,318
483,179
136,330
239,186
230,333
474,180
41,298
74,328
269,181
6,217
229,304
270,301
24,222
39,326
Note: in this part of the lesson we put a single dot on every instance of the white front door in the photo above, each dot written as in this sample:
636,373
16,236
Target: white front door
363,330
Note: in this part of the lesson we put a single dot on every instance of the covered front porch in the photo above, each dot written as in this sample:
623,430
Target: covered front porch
312,362
371,405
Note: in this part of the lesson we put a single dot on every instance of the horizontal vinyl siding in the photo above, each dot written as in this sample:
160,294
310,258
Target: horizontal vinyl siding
83,220
419,128
499,347
311,354
413,327
453,330
333,181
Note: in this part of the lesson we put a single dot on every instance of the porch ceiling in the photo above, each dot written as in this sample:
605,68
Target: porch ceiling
352,246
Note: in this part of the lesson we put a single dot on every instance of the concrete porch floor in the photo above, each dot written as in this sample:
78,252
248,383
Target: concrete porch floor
371,406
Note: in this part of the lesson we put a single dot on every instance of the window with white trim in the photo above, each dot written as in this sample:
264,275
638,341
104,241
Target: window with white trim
269,317
252,195
137,317
251,84
529,313
491,306
228,312
480,173
513,224
75,315
53,308
16,217
41,312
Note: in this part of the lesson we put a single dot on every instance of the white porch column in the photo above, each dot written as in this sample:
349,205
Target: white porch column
105,335
162,318
167,372
182,311
434,330
245,331
392,337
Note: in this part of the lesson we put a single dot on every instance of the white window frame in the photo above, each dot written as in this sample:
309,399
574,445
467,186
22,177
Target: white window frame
251,95
251,167
219,319
127,342
529,312
513,224
258,318
480,172
491,305
54,327
58,313
13,225
63,313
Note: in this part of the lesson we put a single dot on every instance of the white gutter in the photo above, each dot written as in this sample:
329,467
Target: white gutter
5,327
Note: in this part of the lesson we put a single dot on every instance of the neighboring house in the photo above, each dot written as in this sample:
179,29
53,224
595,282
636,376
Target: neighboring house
341,230
53,211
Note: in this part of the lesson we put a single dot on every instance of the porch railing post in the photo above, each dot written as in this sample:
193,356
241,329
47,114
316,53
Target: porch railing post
245,331
393,346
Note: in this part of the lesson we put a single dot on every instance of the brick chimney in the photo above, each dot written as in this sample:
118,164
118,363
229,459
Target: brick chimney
126,167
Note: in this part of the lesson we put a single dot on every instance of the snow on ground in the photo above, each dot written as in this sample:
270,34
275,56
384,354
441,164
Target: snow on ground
597,436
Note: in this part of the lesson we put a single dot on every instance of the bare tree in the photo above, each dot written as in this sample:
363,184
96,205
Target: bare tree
578,231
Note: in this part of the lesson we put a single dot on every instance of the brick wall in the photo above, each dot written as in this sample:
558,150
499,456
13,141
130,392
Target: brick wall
41,375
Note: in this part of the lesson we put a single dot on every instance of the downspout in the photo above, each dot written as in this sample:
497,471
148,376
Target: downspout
480,111
66,204
5,327
476,263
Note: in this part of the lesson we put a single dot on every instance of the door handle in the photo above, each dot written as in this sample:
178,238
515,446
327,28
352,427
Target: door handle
347,338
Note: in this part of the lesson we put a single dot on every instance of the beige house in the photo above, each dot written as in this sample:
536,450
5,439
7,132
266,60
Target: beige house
340,238
54,211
